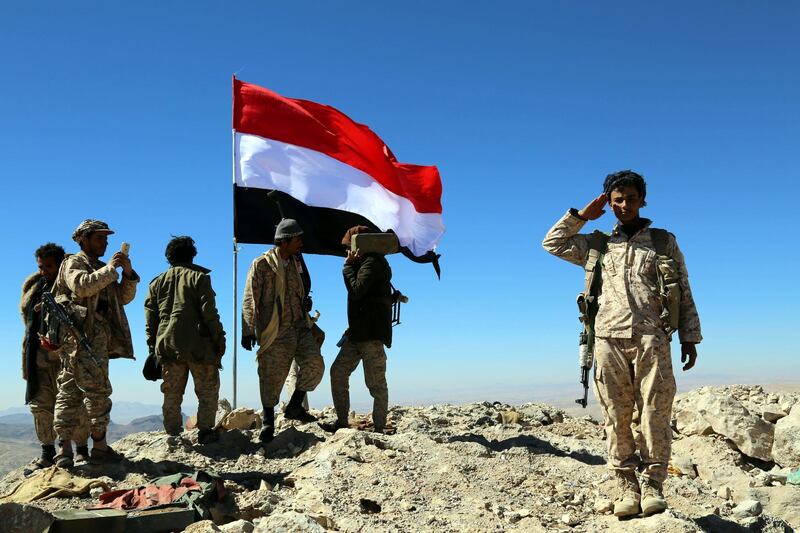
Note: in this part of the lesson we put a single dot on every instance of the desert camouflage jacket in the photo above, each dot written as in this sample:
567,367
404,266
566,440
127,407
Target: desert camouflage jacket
630,304
258,302
78,285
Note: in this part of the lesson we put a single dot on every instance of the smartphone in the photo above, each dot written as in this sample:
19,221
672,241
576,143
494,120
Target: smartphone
125,248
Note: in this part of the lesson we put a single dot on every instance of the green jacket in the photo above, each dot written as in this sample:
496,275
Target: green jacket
369,300
181,318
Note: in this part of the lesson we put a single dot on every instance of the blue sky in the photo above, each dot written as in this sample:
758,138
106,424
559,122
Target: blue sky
122,112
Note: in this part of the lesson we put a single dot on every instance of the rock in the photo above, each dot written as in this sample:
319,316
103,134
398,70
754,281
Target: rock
204,526
223,408
241,418
20,518
603,506
239,526
509,417
407,506
682,466
288,522
747,509
786,449
751,434
772,416
570,519
462,476
255,504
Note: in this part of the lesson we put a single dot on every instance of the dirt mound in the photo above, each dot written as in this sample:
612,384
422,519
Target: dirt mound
475,467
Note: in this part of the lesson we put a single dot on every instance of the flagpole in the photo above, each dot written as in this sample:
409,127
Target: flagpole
235,317
235,270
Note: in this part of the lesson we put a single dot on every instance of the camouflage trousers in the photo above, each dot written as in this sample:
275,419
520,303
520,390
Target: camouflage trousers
294,344
84,382
635,386
206,386
43,405
374,358
291,383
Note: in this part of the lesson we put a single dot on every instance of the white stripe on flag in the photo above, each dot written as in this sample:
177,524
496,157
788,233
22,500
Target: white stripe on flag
319,180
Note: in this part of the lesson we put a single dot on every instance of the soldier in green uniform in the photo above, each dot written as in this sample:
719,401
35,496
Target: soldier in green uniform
185,334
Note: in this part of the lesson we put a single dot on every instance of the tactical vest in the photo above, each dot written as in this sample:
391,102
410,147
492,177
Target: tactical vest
668,280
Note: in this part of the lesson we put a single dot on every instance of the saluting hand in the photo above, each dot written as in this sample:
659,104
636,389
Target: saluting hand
594,209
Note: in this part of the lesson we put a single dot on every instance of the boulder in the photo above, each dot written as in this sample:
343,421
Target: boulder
239,526
728,417
786,449
204,526
289,522
747,509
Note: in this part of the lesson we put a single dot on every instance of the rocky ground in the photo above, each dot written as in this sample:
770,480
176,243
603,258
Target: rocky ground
484,467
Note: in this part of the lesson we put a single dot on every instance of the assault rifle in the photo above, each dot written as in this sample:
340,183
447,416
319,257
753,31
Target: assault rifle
585,351
57,311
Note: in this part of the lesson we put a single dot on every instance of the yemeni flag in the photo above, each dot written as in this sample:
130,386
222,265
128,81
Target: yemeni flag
327,172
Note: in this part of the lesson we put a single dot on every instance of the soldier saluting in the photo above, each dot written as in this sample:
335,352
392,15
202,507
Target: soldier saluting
94,295
642,295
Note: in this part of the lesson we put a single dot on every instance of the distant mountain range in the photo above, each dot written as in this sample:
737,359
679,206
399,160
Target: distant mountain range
18,442
121,412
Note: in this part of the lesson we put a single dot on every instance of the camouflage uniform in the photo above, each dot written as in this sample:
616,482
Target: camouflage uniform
90,292
633,377
369,319
374,358
293,342
42,396
291,383
184,332
206,387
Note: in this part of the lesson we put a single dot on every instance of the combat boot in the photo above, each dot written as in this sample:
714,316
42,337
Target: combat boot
82,453
268,431
294,410
628,497
652,496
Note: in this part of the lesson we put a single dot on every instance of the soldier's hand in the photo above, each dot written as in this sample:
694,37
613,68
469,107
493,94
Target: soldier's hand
352,258
121,260
248,341
594,209
688,351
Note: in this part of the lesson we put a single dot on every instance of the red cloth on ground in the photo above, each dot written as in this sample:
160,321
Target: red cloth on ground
144,497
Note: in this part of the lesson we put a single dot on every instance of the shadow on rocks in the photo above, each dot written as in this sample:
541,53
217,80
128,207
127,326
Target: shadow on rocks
145,466
230,445
716,524
290,442
530,442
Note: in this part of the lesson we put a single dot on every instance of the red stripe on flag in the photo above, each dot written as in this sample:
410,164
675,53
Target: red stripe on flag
259,111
